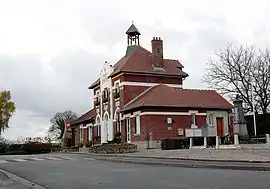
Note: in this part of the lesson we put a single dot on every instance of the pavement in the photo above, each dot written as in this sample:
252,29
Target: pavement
250,155
69,171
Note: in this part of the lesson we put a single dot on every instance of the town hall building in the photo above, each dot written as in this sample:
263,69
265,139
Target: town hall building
142,97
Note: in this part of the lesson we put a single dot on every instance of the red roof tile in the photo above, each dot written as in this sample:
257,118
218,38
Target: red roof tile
140,60
175,97
85,118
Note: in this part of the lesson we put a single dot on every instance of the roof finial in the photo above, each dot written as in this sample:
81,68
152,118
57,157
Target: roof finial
132,22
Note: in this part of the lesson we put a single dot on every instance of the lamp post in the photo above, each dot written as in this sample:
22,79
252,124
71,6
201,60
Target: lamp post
253,111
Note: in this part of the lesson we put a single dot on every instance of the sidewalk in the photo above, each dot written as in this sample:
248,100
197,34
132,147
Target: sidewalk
11,181
7,183
199,154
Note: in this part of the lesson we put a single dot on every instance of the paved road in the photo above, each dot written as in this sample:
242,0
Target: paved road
78,171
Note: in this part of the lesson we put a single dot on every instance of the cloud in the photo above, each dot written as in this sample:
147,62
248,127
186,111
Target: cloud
51,51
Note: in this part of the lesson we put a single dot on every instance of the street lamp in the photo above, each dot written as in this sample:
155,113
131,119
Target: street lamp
253,111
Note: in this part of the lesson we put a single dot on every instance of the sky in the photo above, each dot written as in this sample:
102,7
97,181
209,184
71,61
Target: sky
51,51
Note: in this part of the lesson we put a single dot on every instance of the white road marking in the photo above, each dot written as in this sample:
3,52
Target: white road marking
89,159
37,159
52,158
19,160
3,161
67,158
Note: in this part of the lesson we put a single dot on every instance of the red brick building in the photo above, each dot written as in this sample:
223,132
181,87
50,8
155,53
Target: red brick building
142,97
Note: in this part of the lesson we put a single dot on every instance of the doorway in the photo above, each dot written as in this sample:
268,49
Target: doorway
219,121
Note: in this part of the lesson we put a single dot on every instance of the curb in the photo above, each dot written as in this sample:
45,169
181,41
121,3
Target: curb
173,158
21,180
185,165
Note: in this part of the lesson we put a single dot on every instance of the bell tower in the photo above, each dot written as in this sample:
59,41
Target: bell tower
133,35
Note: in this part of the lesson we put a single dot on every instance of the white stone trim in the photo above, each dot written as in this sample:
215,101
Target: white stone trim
144,84
170,113
174,85
127,115
137,113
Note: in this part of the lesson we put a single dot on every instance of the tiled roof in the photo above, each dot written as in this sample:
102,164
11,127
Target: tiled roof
85,118
140,61
175,97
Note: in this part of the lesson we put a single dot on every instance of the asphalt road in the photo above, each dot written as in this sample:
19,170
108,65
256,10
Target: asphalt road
70,171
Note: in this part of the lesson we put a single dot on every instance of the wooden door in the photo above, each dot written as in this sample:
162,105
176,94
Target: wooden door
219,122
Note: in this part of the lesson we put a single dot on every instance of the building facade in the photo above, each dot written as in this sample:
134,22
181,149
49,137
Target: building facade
142,97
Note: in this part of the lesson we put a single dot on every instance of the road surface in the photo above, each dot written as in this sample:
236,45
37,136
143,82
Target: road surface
70,171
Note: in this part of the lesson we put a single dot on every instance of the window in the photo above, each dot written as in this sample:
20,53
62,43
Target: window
106,93
98,130
97,94
193,119
81,137
210,119
117,88
118,122
98,126
138,125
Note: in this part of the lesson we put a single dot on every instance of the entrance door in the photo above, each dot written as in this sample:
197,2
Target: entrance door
219,126
128,130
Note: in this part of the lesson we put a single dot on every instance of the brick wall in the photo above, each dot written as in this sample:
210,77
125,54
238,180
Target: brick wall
130,92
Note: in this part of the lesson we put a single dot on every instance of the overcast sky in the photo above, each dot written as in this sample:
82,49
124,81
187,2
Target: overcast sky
52,50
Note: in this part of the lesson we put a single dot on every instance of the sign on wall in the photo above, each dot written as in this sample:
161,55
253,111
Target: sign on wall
180,131
193,132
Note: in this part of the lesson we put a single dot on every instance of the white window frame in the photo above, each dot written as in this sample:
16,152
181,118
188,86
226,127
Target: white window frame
210,119
193,118
106,93
98,130
117,87
138,124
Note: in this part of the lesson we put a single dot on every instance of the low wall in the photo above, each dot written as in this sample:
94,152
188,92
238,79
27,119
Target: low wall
113,148
71,149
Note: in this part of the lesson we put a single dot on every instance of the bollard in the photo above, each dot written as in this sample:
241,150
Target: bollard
205,142
217,142
267,139
190,143
236,141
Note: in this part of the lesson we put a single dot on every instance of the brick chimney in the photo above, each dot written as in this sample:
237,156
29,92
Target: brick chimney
157,52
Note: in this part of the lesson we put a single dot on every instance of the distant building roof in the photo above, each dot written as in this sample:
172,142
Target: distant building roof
176,97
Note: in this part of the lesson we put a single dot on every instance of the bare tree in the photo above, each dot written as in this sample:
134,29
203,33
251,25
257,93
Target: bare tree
234,70
59,122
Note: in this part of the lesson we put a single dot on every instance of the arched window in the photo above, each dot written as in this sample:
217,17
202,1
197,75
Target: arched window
98,125
117,117
105,124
